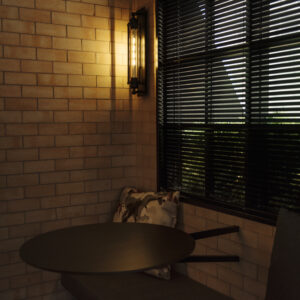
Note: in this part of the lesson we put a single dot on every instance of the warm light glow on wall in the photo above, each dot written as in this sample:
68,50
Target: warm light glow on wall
156,53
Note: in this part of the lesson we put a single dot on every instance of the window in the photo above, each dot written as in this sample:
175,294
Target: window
229,102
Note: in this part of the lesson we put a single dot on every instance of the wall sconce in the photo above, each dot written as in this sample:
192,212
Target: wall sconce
137,52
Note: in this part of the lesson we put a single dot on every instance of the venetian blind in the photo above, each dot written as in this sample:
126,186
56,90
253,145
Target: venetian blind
229,102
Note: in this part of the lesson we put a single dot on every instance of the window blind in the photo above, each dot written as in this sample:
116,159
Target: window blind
228,89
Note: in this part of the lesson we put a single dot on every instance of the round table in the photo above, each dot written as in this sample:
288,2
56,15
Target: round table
107,248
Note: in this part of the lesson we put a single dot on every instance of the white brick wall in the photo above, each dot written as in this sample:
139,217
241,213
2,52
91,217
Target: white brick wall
241,280
67,133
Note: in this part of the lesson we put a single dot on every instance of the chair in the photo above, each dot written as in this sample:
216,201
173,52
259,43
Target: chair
284,272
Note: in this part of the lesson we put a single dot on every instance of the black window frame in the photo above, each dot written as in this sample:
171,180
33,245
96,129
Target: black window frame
251,127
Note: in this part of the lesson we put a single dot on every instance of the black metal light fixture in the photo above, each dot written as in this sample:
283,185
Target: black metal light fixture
137,52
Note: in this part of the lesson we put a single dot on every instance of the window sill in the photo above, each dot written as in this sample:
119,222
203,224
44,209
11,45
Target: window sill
246,214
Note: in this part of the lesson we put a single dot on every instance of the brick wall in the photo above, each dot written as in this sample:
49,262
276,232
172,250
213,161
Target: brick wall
67,134
244,280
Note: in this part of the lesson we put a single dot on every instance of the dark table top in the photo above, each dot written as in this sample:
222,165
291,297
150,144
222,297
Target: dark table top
107,248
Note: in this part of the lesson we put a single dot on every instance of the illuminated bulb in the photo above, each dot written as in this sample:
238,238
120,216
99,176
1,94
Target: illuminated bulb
133,51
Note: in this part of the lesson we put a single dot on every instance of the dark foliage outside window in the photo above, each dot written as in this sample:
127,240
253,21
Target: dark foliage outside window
229,102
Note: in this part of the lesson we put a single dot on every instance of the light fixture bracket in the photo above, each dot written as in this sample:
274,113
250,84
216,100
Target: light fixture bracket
137,48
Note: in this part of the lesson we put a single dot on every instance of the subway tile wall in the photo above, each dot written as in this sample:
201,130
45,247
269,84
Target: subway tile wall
67,126
244,280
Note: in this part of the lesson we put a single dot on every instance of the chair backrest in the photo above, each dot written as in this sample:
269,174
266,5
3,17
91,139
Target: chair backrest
284,272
